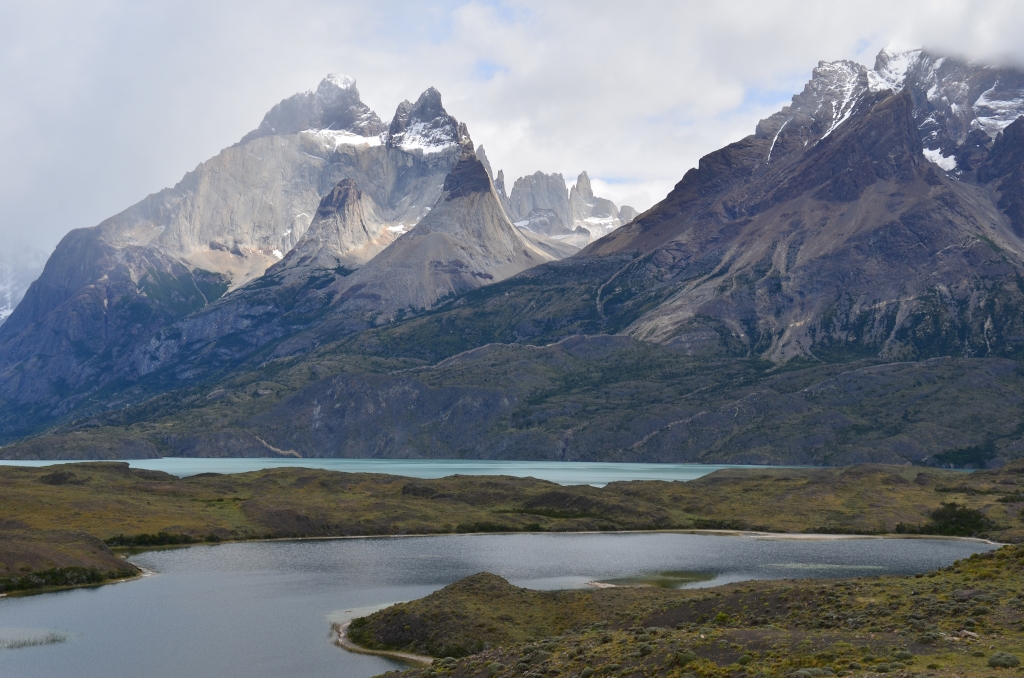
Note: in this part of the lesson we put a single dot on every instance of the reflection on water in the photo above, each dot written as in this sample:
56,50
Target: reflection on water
824,566
678,579
254,610
14,639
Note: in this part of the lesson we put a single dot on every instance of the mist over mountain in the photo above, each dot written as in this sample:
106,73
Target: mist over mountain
842,285
19,266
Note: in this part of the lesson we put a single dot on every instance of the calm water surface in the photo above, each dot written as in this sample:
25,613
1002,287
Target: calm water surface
256,610
561,472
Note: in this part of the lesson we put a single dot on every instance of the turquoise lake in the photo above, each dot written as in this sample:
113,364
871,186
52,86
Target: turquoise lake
561,472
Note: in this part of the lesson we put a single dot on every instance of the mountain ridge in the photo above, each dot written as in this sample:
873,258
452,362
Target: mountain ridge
834,253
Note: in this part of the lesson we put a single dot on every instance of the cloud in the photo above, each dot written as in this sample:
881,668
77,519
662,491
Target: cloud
102,103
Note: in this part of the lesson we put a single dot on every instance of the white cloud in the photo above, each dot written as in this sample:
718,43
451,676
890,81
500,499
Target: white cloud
104,102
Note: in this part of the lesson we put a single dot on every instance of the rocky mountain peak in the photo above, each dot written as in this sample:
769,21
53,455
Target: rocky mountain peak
346,232
424,126
341,195
335,81
891,68
468,176
465,241
482,157
583,186
335,105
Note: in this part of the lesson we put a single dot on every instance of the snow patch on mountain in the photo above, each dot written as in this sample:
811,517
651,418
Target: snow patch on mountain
340,80
334,139
421,136
891,68
995,110
935,157
16,273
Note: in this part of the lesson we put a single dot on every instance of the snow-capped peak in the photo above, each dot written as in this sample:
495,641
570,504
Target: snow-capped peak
425,126
891,67
340,80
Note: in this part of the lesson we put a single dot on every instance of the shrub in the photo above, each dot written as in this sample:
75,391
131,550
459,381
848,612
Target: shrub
1003,660
951,520
61,576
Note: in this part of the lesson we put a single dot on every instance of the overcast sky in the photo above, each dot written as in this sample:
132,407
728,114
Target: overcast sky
104,102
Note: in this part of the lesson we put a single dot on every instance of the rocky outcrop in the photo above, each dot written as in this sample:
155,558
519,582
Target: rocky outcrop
347,231
498,180
540,203
597,215
540,191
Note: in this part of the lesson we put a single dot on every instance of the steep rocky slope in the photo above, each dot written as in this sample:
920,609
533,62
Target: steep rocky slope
347,231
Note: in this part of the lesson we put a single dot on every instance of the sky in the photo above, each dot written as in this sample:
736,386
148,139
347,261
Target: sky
102,103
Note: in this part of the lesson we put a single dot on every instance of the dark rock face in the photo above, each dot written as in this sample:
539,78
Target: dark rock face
467,177
852,245
424,125
1004,169
86,314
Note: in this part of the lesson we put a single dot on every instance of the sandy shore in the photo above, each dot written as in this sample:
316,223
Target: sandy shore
341,640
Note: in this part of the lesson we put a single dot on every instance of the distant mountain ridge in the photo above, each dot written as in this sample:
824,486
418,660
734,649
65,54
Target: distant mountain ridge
842,285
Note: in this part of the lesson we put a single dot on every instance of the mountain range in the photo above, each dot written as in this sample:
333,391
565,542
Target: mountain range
846,284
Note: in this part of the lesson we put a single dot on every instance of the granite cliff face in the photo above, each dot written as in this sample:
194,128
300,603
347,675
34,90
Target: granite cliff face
223,225
541,204
347,231
464,242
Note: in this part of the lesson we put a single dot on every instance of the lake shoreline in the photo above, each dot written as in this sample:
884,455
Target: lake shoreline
342,640
756,534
